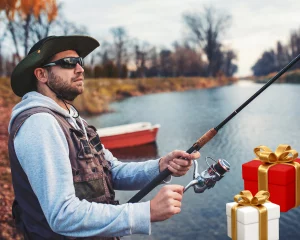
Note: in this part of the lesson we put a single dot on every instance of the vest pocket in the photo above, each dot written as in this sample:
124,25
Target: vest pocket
85,151
94,138
90,189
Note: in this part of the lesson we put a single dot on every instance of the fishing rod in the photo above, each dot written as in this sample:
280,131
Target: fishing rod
207,136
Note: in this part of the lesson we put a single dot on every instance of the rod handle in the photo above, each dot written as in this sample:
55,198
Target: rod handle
206,138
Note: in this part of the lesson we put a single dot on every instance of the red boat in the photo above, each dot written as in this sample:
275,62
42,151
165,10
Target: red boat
128,135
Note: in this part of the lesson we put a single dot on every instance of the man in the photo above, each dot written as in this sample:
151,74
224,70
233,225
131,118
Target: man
63,177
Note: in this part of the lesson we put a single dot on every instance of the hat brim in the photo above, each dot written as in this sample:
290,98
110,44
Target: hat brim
23,78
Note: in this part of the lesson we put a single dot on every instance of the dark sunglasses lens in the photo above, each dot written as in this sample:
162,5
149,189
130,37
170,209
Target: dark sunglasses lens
68,65
71,62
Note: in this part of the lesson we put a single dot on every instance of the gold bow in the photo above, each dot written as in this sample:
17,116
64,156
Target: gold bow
245,198
284,154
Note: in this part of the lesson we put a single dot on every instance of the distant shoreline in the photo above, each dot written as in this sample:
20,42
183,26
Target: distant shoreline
99,93
288,77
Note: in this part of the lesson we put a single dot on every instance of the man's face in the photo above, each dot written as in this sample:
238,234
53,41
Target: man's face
66,82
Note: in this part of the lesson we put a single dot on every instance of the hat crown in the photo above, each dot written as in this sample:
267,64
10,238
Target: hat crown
39,44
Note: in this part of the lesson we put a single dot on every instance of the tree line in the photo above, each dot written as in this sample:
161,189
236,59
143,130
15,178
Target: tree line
200,53
275,59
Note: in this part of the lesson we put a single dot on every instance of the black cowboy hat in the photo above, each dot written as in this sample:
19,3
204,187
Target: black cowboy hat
23,79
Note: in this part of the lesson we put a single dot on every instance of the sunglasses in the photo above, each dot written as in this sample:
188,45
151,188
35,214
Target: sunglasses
68,62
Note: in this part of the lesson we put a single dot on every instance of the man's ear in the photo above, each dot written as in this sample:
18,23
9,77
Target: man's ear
41,74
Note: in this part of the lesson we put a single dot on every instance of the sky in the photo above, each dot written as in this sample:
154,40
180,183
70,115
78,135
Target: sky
256,25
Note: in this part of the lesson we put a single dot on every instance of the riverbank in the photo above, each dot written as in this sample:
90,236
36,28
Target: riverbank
100,92
95,100
289,77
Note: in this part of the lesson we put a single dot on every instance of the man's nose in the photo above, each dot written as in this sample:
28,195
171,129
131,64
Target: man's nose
78,68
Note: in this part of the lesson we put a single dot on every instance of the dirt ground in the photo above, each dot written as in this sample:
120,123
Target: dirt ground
7,229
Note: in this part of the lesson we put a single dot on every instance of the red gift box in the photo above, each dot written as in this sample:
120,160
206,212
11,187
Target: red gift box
281,182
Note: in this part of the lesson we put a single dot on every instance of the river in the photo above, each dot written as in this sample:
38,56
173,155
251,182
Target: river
271,119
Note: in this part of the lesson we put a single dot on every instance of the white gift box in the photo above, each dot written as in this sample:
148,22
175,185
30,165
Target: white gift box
248,223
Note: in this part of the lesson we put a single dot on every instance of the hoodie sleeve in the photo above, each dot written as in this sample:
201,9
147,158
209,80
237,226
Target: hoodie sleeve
42,150
132,175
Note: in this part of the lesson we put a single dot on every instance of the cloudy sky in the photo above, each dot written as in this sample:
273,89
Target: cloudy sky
256,25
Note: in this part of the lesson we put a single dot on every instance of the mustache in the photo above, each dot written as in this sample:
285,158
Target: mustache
80,76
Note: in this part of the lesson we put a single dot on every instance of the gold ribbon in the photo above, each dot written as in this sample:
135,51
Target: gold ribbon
284,154
244,199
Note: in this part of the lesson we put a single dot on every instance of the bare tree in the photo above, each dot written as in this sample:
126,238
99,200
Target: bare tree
153,68
23,18
295,43
121,41
283,56
16,35
275,60
41,26
143,58
166,63
206,29
2,37
187,61
229,67
104,54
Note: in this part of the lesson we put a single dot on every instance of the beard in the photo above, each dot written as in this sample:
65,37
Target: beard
64,89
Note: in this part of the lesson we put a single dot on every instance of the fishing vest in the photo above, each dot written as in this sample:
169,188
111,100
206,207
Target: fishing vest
92,176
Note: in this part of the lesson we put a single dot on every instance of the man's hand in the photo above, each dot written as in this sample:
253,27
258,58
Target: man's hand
177,166
166,203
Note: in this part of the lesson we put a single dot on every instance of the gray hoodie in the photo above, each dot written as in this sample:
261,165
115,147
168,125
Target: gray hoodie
42,150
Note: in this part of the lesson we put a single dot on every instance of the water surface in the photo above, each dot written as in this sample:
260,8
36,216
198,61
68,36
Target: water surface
271,119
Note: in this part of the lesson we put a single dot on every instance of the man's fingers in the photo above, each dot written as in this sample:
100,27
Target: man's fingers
176,196
177,173
181,154
179,167
185,155
182,162
175,169
177,204
175,188
195,155
178,162
177,210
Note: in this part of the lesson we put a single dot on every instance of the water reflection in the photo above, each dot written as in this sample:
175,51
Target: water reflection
136,153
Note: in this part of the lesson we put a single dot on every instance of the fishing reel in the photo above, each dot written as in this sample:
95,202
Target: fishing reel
208,178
